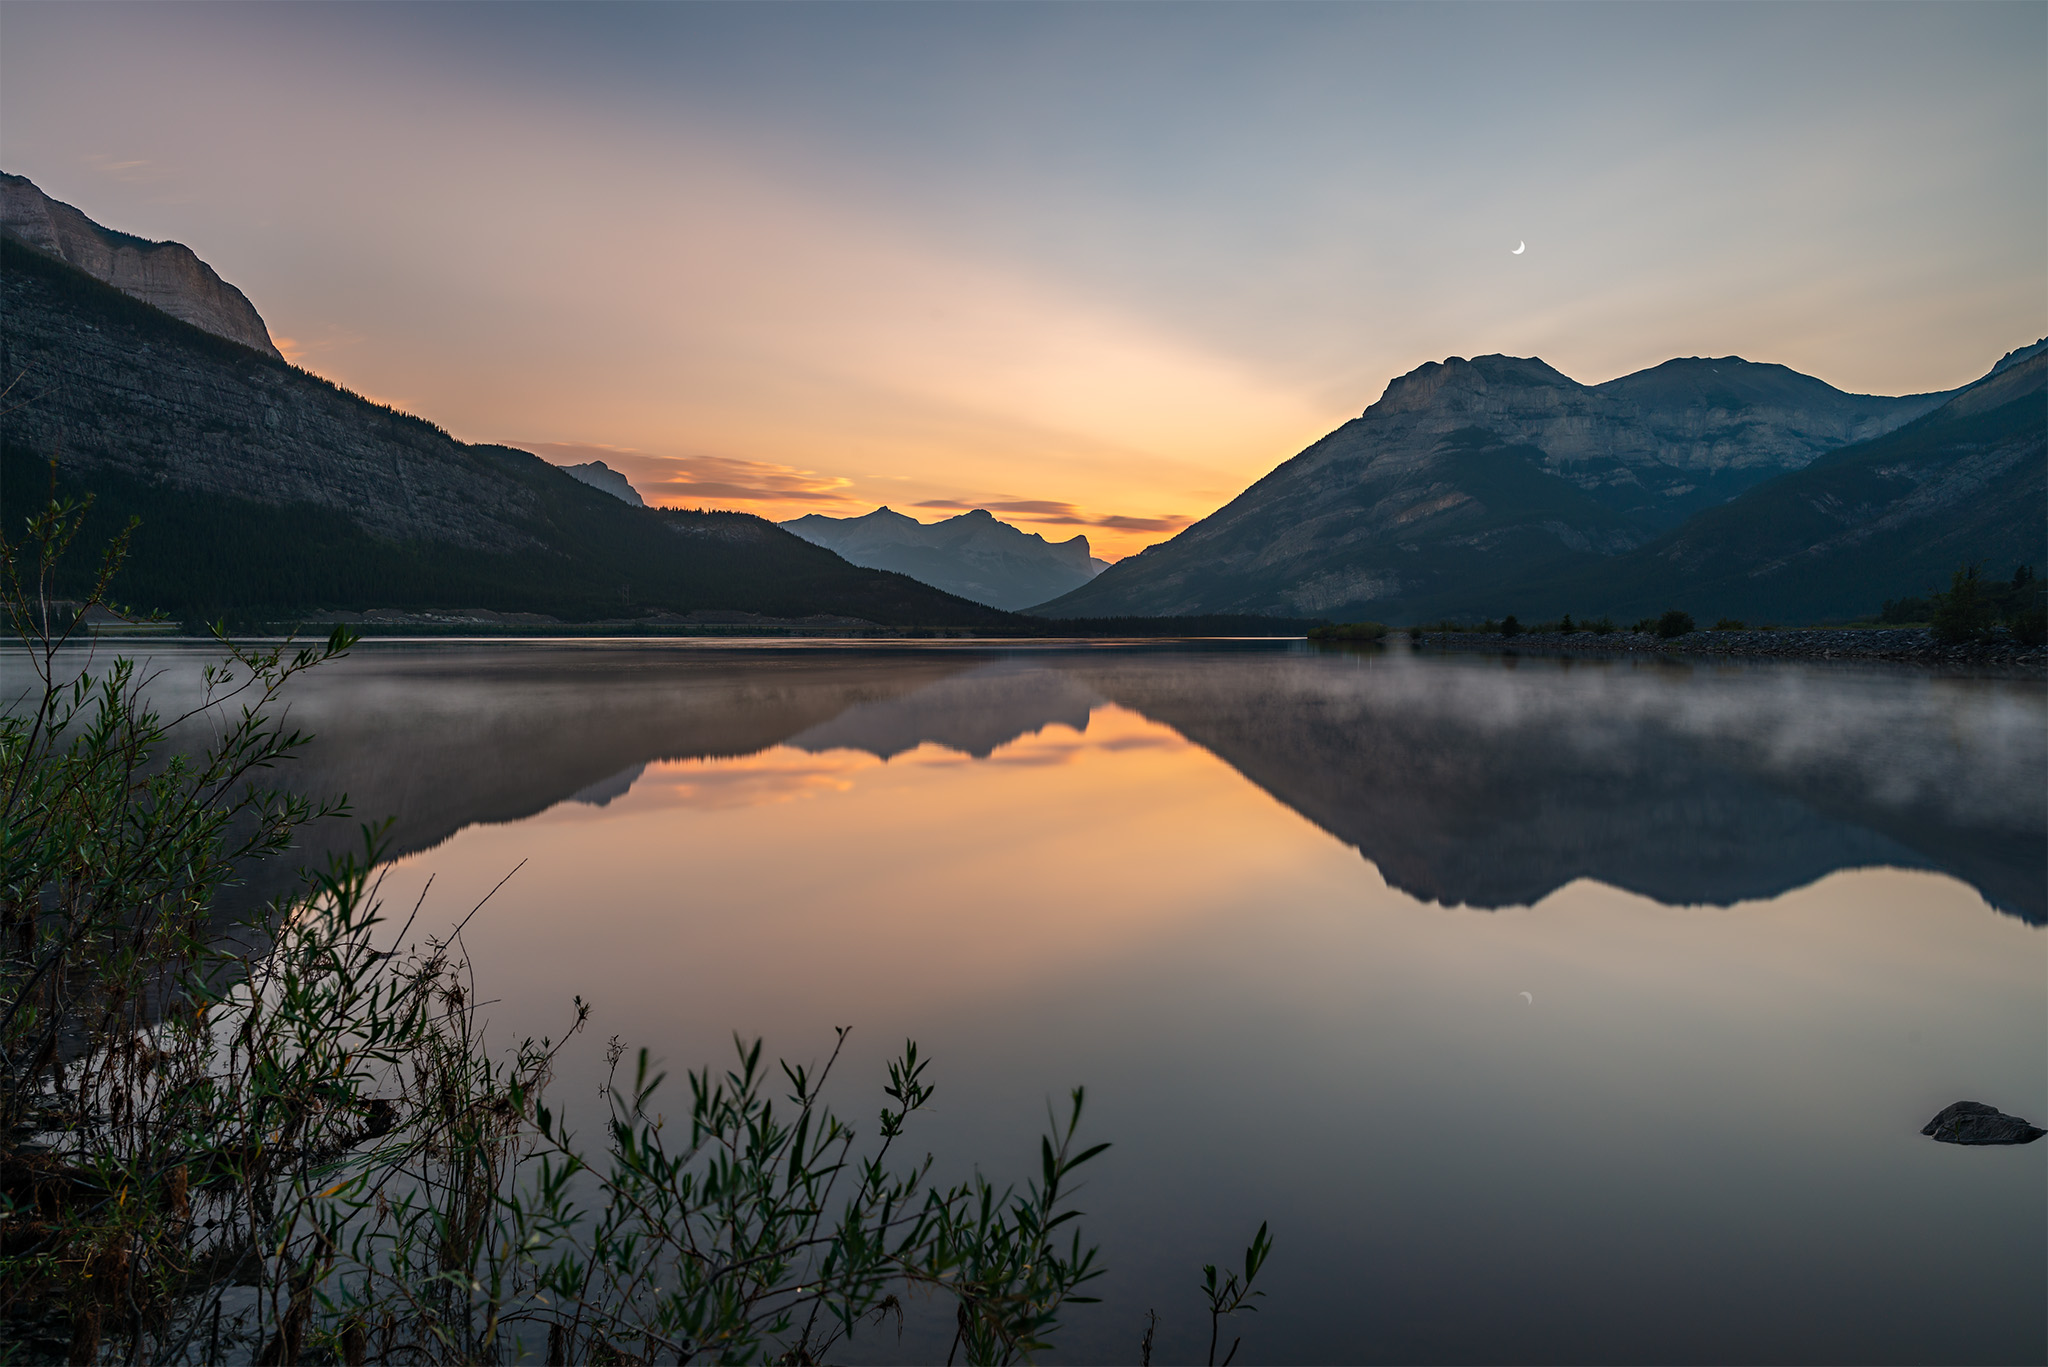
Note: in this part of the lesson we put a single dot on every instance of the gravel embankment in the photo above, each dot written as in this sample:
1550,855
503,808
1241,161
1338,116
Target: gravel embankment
1913,645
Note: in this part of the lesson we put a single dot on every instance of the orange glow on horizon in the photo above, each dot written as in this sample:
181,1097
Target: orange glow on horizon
780,493
979,281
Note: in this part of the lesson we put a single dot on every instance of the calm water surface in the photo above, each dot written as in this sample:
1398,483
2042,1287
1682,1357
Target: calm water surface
1548,1011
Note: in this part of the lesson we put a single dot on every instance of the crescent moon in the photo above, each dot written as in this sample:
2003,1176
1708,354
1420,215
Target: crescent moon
1519,250
1529,998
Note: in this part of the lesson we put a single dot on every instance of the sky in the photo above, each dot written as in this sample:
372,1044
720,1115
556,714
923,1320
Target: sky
1095,267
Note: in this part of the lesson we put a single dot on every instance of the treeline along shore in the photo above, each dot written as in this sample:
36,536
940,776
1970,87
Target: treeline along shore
1910,645
481,623
1904,644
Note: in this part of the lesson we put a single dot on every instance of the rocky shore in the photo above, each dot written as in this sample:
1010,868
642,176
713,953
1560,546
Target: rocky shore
1912,645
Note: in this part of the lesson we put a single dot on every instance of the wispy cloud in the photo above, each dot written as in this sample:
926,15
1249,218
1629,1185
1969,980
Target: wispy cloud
697,480
1172,522
783,491
1050,512
311,351
133,170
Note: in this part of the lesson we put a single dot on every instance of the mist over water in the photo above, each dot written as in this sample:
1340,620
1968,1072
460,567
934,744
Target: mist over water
1278,910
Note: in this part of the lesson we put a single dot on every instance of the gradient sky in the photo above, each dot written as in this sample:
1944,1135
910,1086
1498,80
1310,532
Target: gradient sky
1096,267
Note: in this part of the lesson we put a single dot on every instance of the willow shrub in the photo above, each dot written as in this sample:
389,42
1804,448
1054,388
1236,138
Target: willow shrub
288,1141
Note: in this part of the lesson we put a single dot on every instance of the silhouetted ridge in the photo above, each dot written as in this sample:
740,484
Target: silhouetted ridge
265,491
973,555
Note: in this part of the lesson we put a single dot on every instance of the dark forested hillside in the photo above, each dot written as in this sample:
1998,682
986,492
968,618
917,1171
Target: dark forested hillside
263,489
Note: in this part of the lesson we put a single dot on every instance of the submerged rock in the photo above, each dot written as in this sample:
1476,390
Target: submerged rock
1972,1122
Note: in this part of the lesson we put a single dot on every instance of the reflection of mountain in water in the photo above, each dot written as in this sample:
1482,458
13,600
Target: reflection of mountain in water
605,791
449,738
973,713
1464,781
1468,783
442,738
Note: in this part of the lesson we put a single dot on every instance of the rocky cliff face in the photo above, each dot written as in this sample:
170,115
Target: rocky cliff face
972,555
1658,444
1888,518
164,275
1468,476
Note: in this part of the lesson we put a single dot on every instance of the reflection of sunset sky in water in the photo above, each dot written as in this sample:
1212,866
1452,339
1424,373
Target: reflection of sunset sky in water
1075,839
785,773
1704,1106
1058,843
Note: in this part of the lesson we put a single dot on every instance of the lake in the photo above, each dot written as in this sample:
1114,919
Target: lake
1548,1010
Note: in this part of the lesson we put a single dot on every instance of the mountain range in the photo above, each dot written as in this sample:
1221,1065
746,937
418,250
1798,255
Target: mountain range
972,555
1470,488
264,490
1498,485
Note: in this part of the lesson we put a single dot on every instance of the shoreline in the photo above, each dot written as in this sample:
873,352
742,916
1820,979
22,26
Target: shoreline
1911,646
1896,645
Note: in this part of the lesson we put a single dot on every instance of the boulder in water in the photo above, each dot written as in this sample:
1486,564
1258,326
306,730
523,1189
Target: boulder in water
1972,1122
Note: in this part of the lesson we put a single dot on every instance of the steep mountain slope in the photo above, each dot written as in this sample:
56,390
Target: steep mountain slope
164,274
1722,424
1887,518
972,555
265,489
1469,474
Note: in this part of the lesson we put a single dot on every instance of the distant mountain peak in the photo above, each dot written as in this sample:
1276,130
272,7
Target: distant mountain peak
974,555
164,275
600,476
1433,383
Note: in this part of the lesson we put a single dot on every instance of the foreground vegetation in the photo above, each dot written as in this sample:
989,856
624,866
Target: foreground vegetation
288,1140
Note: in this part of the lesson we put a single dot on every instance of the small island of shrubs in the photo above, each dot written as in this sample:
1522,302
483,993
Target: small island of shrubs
1348,631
